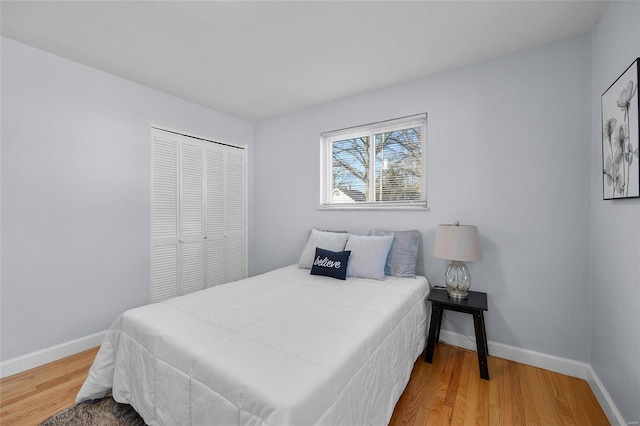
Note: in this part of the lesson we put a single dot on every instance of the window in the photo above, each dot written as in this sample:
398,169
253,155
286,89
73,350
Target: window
376,165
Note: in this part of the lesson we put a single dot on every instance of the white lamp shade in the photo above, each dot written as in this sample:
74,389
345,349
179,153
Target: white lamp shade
457,242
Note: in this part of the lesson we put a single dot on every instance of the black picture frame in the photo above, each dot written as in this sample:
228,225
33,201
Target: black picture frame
621,136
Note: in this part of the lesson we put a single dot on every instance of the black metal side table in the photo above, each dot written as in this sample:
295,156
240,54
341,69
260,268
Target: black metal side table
475,305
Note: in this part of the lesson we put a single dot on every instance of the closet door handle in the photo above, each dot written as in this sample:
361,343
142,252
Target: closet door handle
181,240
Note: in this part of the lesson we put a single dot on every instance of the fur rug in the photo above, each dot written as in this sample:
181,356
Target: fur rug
101,412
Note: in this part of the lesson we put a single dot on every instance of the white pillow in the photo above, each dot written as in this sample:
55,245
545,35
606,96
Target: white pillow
333,241
368,255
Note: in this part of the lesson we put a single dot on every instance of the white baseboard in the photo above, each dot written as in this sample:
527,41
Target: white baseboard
569,367
47,355
610,409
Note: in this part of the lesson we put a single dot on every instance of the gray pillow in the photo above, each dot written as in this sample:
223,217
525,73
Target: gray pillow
403,255
332,241
368,255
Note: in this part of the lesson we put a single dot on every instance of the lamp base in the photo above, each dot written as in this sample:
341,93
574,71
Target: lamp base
458,280
457,294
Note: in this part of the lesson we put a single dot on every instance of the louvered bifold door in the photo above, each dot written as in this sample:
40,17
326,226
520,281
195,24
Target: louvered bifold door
198,214
215,211
235,214
164,215
191,216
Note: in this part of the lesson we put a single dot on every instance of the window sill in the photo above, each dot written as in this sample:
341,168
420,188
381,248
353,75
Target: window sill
373,207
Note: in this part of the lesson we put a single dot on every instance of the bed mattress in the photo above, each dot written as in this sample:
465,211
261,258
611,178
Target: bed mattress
281,348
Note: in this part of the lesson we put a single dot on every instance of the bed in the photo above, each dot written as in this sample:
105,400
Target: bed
282,348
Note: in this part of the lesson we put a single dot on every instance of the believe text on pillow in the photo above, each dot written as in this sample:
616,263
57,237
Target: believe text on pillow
327,263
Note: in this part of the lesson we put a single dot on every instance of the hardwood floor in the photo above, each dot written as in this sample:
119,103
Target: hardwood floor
31,397
450,392
447,392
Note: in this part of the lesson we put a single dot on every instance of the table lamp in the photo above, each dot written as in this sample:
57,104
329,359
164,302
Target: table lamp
458,243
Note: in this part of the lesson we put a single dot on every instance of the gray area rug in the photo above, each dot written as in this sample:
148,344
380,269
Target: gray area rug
101,412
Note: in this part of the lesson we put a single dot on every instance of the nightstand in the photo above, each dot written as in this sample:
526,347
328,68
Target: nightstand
475,305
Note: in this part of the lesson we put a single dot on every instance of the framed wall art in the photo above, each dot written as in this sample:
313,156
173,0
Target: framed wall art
620,136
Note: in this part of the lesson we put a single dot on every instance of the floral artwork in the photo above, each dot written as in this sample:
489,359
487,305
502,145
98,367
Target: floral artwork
620,136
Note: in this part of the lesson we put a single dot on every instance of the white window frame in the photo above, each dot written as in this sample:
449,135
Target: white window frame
326,163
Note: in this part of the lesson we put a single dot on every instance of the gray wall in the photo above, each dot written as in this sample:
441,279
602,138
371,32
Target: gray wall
508,150
75,194
615,228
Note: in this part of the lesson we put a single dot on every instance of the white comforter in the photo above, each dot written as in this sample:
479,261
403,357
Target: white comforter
281,348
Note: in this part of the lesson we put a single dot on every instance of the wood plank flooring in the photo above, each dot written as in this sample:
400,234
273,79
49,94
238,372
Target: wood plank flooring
450,392
447,392
31,397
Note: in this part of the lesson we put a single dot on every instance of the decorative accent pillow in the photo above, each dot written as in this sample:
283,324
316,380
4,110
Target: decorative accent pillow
368,255
331,263
333,241
401,261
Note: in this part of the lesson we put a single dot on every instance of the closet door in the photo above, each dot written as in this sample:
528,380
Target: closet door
226,214
215,208
177,215
191,241
235,215
197,214
164,215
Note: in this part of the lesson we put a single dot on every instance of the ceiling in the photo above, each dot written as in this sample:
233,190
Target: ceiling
260,59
